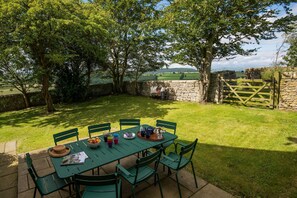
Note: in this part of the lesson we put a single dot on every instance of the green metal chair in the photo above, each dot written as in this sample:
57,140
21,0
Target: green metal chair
65,135
129,122
167,125
46,184
98,128
98,186
142,171
176,161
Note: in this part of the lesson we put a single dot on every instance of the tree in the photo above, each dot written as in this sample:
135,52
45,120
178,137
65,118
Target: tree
291,56
205,30
16,68
44,29
87,46
146,56
133,37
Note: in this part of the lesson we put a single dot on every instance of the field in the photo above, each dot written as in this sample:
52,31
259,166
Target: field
246,151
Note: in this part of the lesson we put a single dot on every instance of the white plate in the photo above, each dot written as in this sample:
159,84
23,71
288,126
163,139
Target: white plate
129,137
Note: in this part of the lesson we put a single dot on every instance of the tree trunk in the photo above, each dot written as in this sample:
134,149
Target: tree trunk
46,95
89,70
205,81
205,70
26,100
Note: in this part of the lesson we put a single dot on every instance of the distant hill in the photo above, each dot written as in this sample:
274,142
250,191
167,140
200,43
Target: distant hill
172,70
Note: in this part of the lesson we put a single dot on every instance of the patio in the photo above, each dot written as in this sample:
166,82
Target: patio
16,182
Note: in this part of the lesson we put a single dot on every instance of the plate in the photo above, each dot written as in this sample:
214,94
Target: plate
129,135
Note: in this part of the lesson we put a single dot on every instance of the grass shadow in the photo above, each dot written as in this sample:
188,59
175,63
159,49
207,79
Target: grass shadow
103,109
247,172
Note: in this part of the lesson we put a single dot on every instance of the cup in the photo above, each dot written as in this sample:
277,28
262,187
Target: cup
142,133
109,141
148,134
105,135
116,138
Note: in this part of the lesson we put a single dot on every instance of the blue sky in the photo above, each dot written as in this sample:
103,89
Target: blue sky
265,55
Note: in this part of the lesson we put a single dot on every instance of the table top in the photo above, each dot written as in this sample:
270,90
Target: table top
105,155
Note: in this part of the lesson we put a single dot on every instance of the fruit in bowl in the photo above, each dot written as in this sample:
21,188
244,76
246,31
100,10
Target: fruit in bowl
94,142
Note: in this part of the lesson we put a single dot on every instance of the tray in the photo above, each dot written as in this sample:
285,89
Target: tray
153,137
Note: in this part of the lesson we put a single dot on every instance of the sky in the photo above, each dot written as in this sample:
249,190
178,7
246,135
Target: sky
264,57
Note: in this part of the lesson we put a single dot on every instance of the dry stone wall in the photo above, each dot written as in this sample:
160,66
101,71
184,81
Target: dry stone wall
182,90
288,91
16,101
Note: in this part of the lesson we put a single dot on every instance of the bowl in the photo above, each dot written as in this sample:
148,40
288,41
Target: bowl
93,142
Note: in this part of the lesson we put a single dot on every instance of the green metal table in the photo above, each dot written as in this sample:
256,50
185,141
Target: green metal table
105,155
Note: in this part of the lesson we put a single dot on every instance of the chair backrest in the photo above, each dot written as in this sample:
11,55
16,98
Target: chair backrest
129,122
31,169
166,124
145,161
65,135
184,150
96,180
98,128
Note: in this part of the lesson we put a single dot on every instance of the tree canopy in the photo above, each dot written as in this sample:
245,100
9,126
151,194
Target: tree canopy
291,56
52,32
205,30
136,42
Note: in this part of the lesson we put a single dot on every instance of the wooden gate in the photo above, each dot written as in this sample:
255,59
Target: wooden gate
251,92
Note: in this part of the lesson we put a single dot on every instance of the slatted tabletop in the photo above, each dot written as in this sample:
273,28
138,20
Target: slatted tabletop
103,154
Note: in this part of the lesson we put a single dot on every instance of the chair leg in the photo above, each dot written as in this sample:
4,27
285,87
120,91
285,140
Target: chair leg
159,185
70,190
133,191
169,171
34,192
178,184
98,170
194,174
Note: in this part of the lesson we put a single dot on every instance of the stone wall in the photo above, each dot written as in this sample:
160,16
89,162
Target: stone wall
16,101
288,91
182,90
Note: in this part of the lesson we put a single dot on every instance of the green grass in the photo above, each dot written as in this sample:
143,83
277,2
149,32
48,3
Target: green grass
246,151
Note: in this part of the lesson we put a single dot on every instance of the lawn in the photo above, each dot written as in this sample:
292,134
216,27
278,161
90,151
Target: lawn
246,151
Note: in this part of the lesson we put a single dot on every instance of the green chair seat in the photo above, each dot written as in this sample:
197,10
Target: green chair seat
51,183
172,161
48,183
142,171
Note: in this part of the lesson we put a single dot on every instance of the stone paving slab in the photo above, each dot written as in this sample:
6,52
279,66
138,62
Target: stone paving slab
2,147
211,191
9,193
10,147
187,179
8,170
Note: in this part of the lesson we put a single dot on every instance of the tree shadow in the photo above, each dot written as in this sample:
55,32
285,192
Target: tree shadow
247,172
293,140
7,160
103,109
